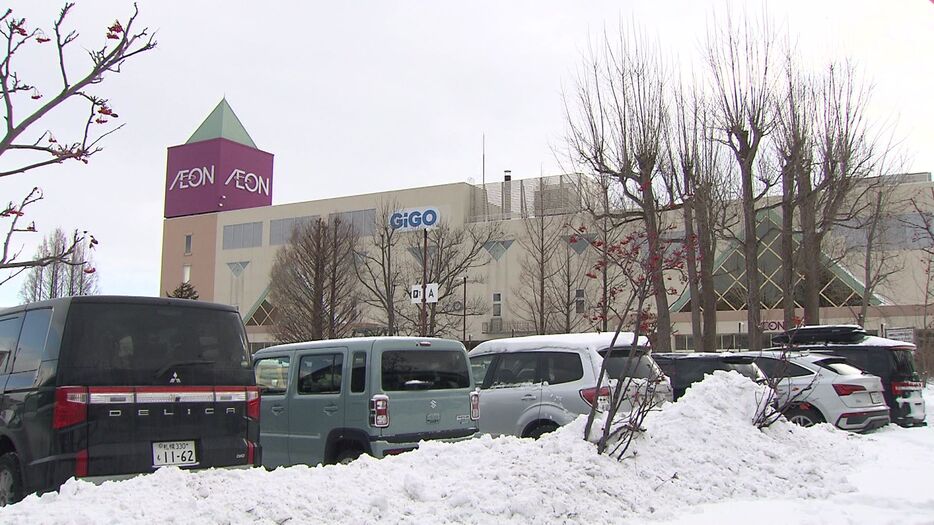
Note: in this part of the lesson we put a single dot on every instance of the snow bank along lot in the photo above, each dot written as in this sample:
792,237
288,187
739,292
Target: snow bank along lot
701,461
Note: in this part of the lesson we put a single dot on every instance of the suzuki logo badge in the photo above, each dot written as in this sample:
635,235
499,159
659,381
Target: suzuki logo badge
175,378
433,403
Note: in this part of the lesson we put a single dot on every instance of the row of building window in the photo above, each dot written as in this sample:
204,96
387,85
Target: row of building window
250,234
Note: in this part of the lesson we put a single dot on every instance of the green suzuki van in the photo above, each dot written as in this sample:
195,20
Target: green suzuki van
331,401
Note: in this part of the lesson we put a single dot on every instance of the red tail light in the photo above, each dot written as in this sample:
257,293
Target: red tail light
379,411
475,406
901,387
71,406
845,390
81,463
252,402
590,395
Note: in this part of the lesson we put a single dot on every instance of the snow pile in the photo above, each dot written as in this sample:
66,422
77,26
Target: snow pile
702,449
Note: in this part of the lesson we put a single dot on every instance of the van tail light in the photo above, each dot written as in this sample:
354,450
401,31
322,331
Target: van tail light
903,387
252,402
590,395
845,390
71,406
475,406
81,463
379,411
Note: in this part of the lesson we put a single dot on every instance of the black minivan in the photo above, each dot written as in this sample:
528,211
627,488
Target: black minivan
107,386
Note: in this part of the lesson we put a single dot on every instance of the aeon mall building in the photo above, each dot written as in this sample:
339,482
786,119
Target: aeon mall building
221,234
221,231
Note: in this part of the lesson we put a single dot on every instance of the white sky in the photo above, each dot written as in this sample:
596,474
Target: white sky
371,96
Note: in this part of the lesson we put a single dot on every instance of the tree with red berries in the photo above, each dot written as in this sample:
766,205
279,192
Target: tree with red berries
26,143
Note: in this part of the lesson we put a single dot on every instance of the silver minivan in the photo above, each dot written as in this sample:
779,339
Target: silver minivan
532,385
330,401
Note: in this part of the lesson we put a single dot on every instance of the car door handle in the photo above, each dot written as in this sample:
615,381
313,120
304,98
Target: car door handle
529,397
277,409
330,409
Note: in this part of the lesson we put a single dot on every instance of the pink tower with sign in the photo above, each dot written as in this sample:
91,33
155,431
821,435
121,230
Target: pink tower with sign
218,169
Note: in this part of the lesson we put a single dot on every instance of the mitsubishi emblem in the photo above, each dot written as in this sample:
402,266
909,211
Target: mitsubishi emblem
175,378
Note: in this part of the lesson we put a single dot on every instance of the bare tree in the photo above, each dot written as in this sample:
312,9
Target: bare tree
740,60
705,185
794,150
617,129
879,261
25,145
312,284
379,271
540,242
846,152
73,276
571,267
453,252
630,400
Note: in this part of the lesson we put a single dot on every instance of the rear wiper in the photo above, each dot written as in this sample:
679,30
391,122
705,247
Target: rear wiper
166,368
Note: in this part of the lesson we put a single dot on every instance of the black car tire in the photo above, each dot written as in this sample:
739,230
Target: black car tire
11,480
542,429
805,417
346,456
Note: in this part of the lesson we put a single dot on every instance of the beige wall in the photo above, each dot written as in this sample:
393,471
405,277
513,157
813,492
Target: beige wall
214,279
203,231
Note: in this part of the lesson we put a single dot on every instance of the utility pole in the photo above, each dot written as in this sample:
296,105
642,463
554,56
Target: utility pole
425,285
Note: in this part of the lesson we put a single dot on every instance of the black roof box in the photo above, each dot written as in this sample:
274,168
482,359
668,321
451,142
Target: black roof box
821,334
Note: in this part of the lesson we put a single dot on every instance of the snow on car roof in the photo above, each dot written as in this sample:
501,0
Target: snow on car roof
869,340
590,341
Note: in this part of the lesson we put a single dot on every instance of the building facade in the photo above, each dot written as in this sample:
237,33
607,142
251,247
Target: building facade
221,233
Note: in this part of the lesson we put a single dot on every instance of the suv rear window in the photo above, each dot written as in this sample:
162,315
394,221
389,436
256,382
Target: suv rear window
904,364
151,344
644,367
424,370
839,366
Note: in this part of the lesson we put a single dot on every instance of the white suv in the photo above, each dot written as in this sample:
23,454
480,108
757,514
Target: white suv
532,385
822,388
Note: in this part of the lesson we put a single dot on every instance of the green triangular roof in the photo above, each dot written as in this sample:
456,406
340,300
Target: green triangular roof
222,123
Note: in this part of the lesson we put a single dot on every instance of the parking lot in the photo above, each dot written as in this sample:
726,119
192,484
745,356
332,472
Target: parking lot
700,461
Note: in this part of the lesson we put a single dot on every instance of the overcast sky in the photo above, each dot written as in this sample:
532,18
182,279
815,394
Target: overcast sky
356,97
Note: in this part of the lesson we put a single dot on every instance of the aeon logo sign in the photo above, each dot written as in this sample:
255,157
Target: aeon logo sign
414,219
204,176
250,182
193,178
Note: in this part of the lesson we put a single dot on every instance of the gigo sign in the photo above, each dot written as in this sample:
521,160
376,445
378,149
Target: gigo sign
414,219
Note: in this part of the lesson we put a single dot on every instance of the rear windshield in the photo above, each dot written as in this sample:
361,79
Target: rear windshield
424,370
640,367
688,370
839,366
904,364
148,344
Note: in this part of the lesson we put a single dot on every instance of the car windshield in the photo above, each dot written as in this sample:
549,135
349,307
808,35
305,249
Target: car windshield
152,344
620,365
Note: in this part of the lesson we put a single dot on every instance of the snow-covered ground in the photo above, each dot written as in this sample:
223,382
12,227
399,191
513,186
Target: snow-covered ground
701,461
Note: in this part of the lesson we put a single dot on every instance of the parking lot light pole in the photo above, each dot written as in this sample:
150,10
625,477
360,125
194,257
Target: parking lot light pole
424,330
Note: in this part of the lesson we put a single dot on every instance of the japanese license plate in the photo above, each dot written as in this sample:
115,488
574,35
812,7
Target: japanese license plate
173,453
876,397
